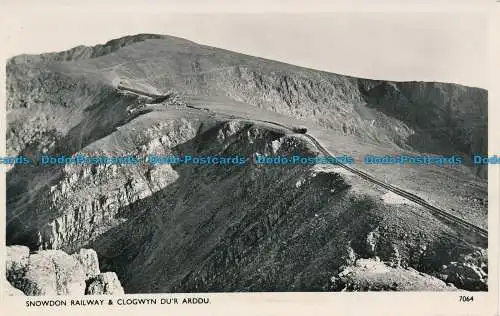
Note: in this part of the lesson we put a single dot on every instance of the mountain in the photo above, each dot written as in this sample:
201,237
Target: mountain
186,228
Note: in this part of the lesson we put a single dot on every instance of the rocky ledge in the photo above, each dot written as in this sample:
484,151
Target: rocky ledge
54,272
375,275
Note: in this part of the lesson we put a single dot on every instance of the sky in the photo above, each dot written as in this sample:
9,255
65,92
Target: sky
444,45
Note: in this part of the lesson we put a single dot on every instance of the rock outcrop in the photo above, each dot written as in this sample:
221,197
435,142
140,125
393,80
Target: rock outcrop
89,261
16,259
374,275
54,272
104,283
471,273
50,272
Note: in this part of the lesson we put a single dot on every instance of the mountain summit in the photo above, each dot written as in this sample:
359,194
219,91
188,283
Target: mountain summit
206,228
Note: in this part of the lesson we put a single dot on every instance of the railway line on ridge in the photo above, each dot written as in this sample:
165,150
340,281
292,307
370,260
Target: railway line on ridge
438,212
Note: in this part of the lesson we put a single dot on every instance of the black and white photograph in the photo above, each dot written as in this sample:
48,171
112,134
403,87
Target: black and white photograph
335,152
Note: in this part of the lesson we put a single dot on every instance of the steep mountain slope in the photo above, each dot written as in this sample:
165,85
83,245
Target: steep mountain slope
435,112
234,228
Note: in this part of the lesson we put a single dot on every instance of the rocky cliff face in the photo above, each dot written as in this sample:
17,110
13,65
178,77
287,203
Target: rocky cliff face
186,228
428,117
218,236
446,118
54,272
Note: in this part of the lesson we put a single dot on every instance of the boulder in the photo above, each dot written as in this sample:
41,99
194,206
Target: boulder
50,272
105,283
16,261
466,276
89,261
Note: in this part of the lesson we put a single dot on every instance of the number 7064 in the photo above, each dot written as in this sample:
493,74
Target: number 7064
466,298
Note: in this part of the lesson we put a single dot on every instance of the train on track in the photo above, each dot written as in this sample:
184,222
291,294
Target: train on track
299,129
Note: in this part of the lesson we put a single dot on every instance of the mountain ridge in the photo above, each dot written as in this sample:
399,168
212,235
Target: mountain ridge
210,219
298,91
110,46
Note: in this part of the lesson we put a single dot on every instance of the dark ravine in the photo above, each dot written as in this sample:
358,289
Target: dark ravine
202,228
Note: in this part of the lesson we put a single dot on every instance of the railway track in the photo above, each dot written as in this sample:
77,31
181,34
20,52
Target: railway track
156,98
482,233
410,196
